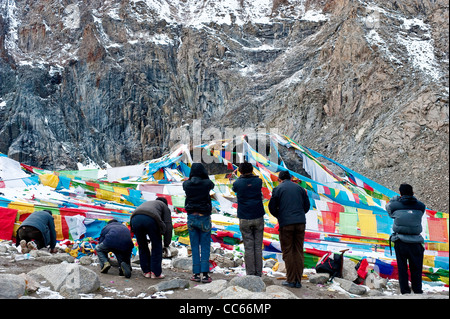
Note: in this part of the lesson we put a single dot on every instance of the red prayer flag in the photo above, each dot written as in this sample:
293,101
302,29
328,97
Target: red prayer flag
7,219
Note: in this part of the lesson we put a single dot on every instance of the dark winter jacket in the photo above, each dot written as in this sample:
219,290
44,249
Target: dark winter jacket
197,188
289,203
249,197
407,213
161,213
43,220
117,236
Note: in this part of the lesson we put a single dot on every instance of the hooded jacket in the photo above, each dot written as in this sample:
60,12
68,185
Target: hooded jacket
197,189
116,235
43,220
407,213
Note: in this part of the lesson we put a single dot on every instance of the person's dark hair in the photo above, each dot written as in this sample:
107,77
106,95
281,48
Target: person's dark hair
162,199
284,175
406,189
48,211
113,221
245,168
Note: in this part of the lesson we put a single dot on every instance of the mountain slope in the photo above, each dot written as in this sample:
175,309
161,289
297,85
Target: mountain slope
363,82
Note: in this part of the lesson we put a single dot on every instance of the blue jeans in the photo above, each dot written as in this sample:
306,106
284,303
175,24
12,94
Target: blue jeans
199,228
142,226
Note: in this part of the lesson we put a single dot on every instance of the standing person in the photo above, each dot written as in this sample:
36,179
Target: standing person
37,231
198,207
152,219
115,237
289,204
407,213
250,212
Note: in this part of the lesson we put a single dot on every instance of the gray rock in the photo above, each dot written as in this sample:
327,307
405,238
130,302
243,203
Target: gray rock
279,292
12,286
75,277
374,281
184,263
222,261
56,258
85,260
213,287
234,292
269,263
39,253
350,287
31,284
176,283
3,249
348,270
272,292
251,283
319,278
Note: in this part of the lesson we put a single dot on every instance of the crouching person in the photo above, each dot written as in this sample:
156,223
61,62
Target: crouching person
115,237
37,231
151,221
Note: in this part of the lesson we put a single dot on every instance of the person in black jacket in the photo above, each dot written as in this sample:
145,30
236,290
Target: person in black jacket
198,207
289,204
407,213
115,237
37,231
250,212
152,219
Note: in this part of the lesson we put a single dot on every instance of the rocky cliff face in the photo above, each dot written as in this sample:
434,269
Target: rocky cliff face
363,82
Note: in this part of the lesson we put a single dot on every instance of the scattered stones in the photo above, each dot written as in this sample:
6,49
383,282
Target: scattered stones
222,261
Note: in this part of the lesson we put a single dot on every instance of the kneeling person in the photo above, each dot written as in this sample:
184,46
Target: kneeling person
115,237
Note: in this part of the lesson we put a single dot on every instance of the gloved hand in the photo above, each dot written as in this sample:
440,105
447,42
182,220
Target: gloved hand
166,252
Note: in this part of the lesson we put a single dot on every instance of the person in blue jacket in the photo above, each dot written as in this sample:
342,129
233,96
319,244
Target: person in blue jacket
250,212
407,213
37,231
115,237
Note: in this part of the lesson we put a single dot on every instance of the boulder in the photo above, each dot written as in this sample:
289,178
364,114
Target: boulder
213,287
74,277
176,283
12,286
184,263
319,278
251,283
350,287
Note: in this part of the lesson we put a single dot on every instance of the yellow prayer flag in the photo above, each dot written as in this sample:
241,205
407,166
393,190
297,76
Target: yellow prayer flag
49,180
368,224
58,227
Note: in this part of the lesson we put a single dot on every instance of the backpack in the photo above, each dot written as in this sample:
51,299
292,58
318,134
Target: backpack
331,263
